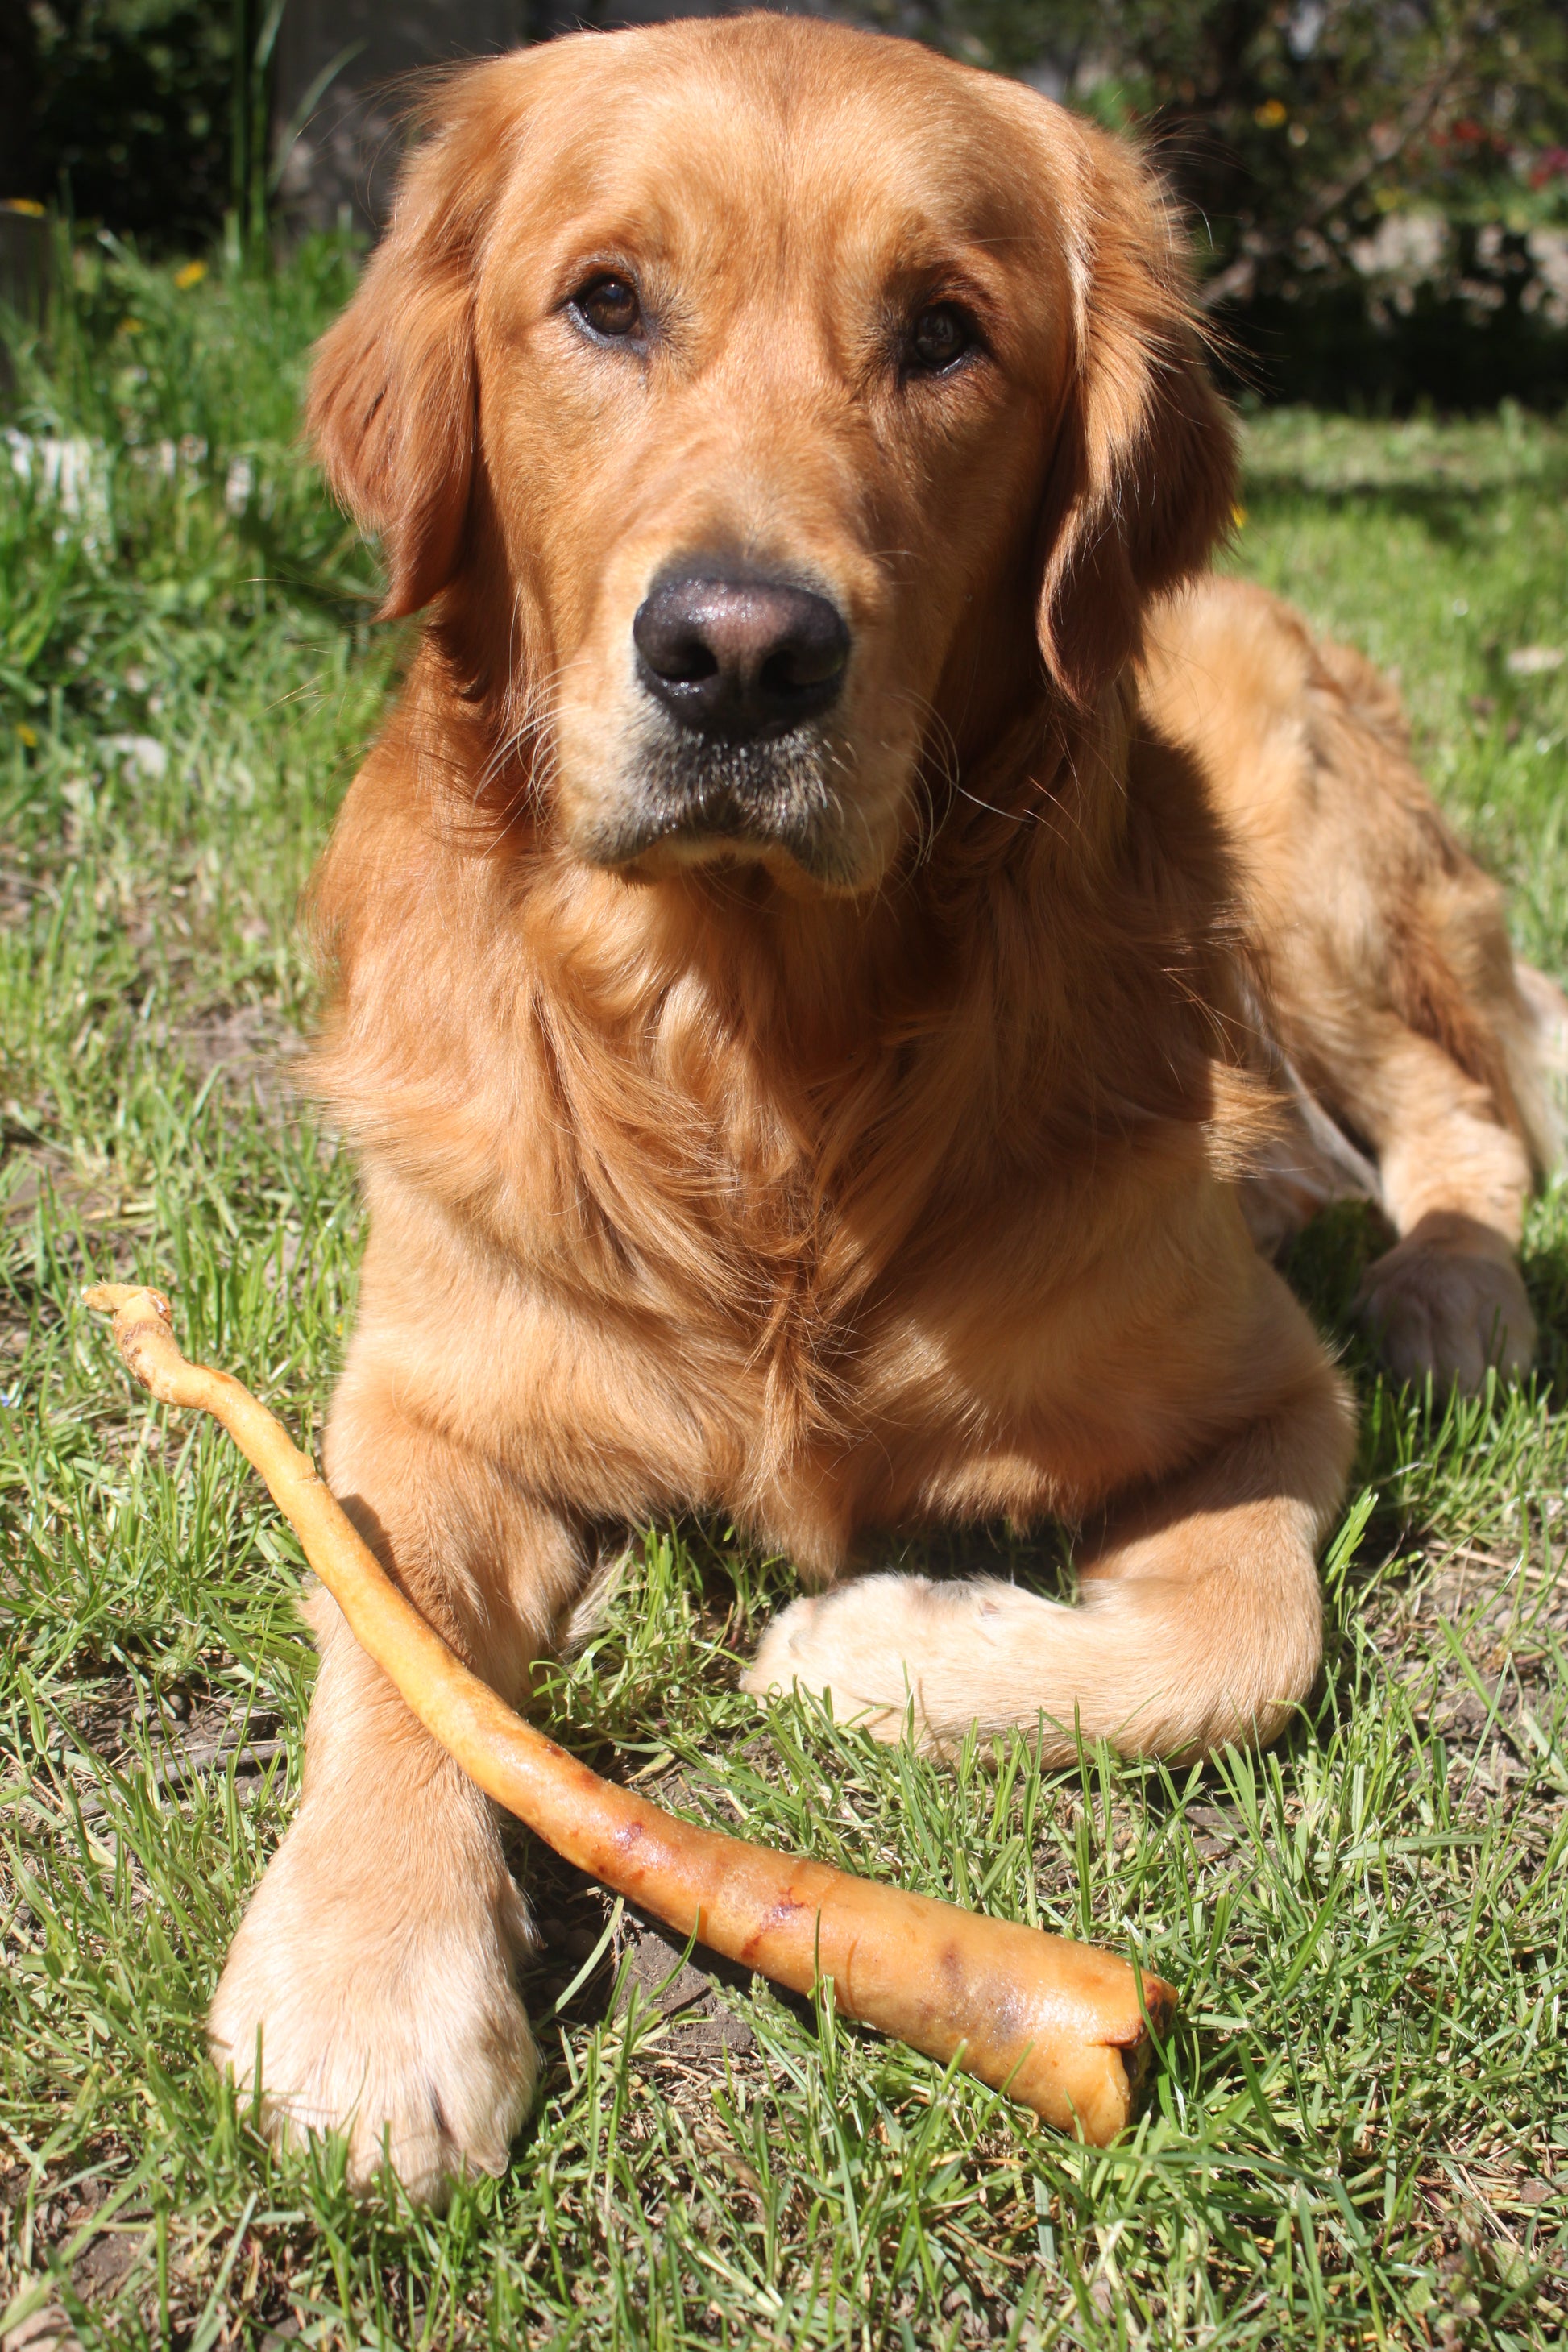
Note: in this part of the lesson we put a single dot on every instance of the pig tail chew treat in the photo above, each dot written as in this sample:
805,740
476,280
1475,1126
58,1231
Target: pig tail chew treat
1060,2026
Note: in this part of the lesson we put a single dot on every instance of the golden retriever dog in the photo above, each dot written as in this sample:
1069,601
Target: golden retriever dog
842,932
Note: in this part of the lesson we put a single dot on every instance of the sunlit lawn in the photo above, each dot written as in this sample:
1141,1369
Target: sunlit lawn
1361,2131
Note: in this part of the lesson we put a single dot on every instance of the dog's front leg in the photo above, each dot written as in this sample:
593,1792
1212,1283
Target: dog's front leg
371,1986
1200,1619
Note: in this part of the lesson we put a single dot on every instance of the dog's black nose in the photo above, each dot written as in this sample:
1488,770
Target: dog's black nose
741,659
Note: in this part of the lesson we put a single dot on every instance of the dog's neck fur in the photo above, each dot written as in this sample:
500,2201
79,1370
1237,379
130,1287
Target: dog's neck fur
805,1081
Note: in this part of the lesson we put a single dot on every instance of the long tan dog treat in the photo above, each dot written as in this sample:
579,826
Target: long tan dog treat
1061,2027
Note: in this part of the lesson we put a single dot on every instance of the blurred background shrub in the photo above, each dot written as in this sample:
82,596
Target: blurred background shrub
127,102
1378,188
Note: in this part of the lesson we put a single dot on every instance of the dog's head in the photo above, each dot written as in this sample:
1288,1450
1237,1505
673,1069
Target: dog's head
776,407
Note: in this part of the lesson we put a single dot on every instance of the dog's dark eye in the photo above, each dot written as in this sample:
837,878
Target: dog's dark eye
610,307
940,336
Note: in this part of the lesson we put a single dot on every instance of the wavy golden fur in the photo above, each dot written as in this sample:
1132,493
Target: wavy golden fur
850,1124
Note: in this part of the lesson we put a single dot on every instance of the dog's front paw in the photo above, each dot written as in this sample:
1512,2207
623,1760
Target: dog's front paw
397,2025
1448,1301
871,1643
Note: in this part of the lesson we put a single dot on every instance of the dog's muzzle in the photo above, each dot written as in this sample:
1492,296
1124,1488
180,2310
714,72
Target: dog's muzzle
741,672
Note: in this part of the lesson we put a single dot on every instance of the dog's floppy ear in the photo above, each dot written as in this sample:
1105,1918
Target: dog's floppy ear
1144,478
392,405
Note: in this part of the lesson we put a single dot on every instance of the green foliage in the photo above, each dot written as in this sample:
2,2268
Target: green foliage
1356,2135
1413,158
1380,193
131,106
160,505
1297,128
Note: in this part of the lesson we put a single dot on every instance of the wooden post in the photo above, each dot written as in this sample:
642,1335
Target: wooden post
342,90
343,69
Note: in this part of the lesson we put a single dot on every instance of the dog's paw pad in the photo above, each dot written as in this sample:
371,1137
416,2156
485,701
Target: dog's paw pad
1447,1314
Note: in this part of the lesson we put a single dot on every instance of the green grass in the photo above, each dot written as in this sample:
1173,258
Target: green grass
1360,2131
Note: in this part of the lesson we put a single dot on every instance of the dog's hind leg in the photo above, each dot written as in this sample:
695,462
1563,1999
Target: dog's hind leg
1199,1621
1387,984
1454,1179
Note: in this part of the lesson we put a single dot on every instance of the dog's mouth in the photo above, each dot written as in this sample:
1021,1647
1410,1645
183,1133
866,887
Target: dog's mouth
695,802
736,749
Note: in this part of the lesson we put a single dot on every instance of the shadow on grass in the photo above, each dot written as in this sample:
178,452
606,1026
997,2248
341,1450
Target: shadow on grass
1545,1270
1444,504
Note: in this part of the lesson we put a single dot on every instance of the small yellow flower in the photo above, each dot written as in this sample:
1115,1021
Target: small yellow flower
29,736
1238,517
24,204
1269,115
194,271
